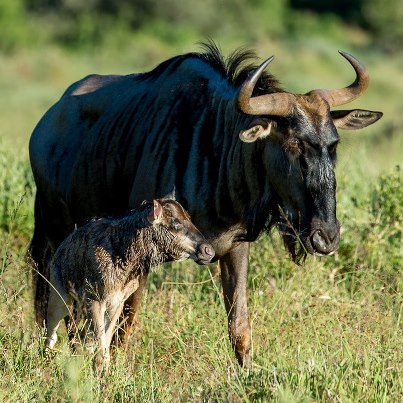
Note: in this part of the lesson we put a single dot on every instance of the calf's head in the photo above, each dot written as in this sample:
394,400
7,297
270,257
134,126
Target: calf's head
300,135
185,240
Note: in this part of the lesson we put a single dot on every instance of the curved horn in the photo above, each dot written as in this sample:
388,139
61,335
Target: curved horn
354,90
277,104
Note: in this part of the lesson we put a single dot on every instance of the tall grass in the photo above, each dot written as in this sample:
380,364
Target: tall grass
16,191
329,330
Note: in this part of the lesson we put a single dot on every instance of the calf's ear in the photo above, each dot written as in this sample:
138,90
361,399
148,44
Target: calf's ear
259,129
354,119
171,195
154,217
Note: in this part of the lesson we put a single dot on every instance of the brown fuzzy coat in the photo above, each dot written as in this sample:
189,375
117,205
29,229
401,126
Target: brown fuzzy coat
99,265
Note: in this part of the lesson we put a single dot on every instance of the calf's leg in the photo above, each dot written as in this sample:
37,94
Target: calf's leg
130,314
57,310
234,268
112,316
96,330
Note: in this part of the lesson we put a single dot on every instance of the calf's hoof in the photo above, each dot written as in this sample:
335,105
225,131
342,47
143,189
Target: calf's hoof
101,364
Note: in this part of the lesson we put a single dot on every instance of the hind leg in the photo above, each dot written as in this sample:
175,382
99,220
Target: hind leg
96,333
52,225
57,310
39,254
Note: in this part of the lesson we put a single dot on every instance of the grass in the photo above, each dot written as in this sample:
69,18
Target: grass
329,330
315,337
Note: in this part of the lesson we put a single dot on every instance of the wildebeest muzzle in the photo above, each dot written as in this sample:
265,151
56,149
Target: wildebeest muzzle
324,238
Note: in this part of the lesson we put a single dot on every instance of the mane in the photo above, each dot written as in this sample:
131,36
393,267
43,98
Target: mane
237,66
265,215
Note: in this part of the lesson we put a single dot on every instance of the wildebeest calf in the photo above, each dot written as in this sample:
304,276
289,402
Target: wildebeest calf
99,265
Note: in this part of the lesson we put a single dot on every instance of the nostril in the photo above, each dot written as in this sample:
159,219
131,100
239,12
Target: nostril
208,250
319,241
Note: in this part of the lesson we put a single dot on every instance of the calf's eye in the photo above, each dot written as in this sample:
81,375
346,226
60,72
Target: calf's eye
177,225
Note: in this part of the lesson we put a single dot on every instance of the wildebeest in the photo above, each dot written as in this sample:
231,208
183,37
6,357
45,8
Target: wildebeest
100,263
242,153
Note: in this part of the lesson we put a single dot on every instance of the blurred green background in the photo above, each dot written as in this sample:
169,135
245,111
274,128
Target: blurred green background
47,44
77,23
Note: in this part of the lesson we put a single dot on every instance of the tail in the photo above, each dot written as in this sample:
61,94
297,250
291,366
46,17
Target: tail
39,255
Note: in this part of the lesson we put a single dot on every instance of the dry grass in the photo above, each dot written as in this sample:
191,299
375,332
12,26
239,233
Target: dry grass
326,331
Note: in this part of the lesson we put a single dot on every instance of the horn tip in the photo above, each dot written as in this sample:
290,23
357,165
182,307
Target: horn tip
349,57
345,54
266,62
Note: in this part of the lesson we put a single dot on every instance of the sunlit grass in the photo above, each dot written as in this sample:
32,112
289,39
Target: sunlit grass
329,330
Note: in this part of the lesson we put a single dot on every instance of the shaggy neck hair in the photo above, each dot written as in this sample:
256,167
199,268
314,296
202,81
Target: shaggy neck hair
263,217
237,66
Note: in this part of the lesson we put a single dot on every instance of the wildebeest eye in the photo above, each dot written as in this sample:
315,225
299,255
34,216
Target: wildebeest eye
293,146
332,148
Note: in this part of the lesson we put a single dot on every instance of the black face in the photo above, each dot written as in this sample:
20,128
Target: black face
301,168
188,241
305,182
317,162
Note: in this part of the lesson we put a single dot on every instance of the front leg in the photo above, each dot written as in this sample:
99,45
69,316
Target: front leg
130,312
234,269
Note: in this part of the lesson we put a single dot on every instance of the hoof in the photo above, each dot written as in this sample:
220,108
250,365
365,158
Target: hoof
242,348
244,358
100,364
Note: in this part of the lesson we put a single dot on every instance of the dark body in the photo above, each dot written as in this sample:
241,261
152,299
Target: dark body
241,154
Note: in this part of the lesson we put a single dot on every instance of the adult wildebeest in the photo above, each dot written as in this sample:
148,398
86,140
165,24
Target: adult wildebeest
99,266
241,153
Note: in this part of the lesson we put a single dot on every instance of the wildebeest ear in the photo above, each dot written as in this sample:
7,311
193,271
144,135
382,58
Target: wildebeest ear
354,119
156,213
259,129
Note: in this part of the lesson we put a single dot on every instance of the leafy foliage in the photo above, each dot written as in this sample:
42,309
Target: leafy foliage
387,200
13,25
385,231
384,19
76,23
